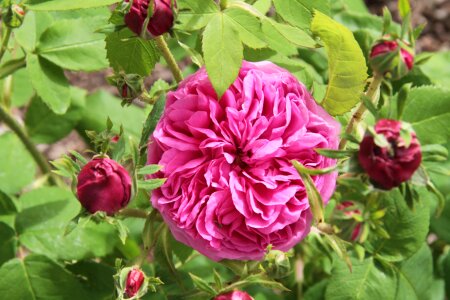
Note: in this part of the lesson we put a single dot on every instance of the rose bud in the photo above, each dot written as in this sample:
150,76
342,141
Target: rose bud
234,295
160,22
134,282
103,185
115,139
277,264
13,15
390,57
350,213
393,164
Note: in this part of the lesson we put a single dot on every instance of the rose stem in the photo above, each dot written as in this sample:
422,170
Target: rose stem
357,116
18,130
133,213
5,42
171,62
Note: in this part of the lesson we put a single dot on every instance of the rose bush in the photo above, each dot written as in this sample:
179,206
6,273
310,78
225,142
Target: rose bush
231,190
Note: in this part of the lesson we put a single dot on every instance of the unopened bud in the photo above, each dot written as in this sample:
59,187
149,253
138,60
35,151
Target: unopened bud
391,58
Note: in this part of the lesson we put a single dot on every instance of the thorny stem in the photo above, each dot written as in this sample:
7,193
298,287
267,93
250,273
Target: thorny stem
5,41
18,130
357,116
171,62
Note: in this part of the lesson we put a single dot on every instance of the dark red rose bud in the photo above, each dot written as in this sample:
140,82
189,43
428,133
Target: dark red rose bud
103,185
389,166
135,279
344,207
234,295
390,57
160,22
115,139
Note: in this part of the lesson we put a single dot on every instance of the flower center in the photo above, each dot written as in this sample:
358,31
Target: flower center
240,155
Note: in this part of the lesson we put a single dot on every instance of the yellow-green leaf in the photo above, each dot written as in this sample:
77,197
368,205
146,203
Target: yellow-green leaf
347,66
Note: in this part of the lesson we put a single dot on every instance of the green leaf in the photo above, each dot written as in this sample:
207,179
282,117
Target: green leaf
437,68
280,33
180,250
57,5
222,50
347,66
40,120
17,167
151,184
150,125
416,274
149,169
259,279
335,153
440,225
38,277
428,111
404,7
164,254
276,40
7,205
300,12
194,14
11,66
367,281
372,280
49,82
314,197
263,6
248,26
131,54
42,223
72,44
97,278
101,105
407,227
446,270
8,243
202,285
33,26
316,291
22,90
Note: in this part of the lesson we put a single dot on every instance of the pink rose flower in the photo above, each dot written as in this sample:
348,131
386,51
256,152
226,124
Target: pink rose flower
231,190
234,295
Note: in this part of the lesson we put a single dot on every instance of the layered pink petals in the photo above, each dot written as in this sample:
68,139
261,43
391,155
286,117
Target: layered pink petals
231,190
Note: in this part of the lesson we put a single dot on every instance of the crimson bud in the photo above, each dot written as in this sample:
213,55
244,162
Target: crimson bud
134,282
393,164
103,185
391,57
160,22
